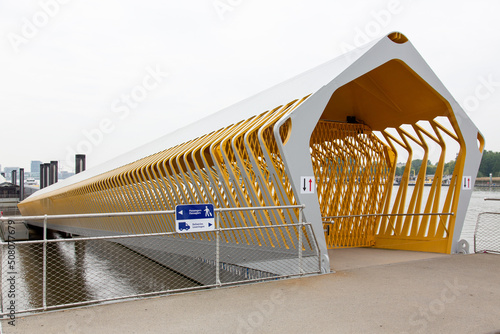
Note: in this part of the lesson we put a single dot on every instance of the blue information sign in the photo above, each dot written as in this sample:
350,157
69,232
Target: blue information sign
194,218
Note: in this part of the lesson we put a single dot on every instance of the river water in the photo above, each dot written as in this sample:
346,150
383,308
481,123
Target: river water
81,271
77,273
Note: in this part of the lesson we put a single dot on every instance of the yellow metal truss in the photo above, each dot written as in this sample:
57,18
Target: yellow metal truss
236,166
394,104
241,166
355,169
424,233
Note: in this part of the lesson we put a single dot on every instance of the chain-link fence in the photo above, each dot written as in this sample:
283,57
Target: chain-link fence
61,272
487,233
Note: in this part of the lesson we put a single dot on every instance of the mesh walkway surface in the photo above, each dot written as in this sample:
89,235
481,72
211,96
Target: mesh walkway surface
446,294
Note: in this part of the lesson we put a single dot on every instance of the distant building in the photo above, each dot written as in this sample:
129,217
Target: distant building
65,174
8,172
9,190
36,176
35,166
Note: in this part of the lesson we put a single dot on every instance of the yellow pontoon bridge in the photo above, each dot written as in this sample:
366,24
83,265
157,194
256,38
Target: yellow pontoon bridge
328,139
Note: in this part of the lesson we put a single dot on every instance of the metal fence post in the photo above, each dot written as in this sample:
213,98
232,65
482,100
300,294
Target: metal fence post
44,282
300,240
217,253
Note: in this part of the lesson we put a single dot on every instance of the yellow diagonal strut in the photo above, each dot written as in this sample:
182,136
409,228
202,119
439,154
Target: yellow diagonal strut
354,172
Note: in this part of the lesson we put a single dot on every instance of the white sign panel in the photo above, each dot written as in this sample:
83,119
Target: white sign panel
194,218
307,184
467,183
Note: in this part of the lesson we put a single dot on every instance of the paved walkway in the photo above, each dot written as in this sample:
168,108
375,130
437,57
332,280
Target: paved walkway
353,258
443,294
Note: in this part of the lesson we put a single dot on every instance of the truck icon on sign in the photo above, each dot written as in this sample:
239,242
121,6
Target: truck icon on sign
183,226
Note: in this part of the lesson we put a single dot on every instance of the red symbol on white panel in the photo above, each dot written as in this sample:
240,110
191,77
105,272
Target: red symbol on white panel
467,183
307,184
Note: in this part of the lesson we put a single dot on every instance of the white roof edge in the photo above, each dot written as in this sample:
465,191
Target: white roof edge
296,87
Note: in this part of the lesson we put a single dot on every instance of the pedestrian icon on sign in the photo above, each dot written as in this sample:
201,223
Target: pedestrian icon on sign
207,212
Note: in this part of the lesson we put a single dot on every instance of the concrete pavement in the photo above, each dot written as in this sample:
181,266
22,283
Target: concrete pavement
427,294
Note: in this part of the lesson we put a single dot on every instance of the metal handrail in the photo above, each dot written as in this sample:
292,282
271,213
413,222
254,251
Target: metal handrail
390,215
141,213
159,234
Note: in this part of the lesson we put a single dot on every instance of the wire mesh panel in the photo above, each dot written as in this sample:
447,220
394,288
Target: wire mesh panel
21,274
249,262
79,271
487,234
38,275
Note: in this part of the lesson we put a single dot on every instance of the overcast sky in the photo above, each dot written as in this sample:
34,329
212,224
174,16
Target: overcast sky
107,76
